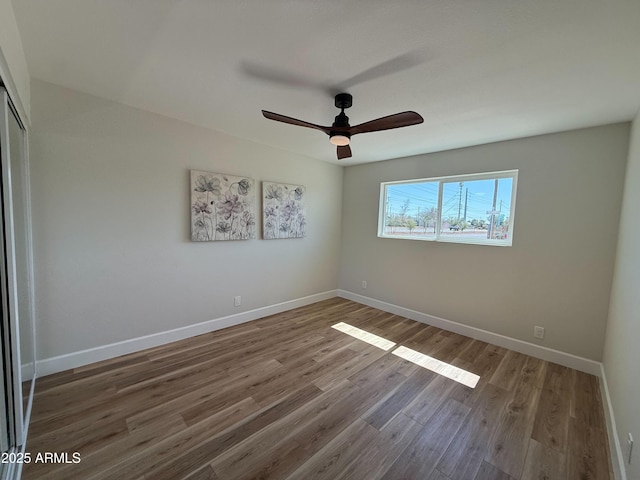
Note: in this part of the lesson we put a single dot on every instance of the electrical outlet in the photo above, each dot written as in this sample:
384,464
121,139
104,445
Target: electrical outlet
364,284
630,445
237,301
538,332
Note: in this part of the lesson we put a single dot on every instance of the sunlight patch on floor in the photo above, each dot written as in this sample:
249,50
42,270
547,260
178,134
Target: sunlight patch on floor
365,336
425,361
441,368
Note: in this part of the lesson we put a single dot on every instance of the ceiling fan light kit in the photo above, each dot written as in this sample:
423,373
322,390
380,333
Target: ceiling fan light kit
340,132
339,139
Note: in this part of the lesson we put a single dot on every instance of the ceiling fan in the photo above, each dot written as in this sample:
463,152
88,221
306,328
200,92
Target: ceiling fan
340,132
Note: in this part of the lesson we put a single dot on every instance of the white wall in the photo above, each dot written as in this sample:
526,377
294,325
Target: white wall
621,353
110,188
558,272
13,65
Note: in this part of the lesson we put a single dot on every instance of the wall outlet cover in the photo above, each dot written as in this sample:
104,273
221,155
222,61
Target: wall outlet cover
538,332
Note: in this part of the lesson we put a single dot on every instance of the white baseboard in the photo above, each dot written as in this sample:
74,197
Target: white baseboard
617,457
544,353
60,363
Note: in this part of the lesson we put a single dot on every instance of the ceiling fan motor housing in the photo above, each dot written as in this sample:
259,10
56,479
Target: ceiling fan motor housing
341,121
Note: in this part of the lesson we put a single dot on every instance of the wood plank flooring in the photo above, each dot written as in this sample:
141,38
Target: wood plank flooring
289,397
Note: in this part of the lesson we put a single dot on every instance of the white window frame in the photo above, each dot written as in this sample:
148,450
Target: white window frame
513,174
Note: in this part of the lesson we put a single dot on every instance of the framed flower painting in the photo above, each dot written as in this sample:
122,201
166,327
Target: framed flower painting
283,211
222,207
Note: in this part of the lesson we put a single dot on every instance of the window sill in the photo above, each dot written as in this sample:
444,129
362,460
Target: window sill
494,243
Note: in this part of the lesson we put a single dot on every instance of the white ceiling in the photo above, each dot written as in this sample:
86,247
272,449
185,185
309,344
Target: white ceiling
477,71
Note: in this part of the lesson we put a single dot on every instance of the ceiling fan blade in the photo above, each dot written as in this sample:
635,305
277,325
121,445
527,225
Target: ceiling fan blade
344,152
279,76
398,120
294,121
394,65
288,78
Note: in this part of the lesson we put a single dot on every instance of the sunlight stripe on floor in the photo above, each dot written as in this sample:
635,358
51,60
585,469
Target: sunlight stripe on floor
363,335
441,368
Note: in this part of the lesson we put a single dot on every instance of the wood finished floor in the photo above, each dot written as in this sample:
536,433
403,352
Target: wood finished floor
288,397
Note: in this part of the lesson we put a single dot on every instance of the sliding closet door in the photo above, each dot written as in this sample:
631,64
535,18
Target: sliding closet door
17,327
22,254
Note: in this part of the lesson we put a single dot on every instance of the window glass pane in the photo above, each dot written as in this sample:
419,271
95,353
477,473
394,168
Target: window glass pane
411,210
476,210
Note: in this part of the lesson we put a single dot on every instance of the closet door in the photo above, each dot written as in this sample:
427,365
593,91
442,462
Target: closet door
22,254
17,326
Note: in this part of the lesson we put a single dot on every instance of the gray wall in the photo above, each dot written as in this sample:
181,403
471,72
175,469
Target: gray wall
558,272
17,74
621,353
110,203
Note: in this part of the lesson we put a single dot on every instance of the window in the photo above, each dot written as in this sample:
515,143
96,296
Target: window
476,208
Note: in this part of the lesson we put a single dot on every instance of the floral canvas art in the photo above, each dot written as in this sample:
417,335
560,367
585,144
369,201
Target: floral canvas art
283,210
222,207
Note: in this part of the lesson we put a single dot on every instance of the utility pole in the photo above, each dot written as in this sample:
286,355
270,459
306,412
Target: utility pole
388,218
460,200
466,198
493,211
